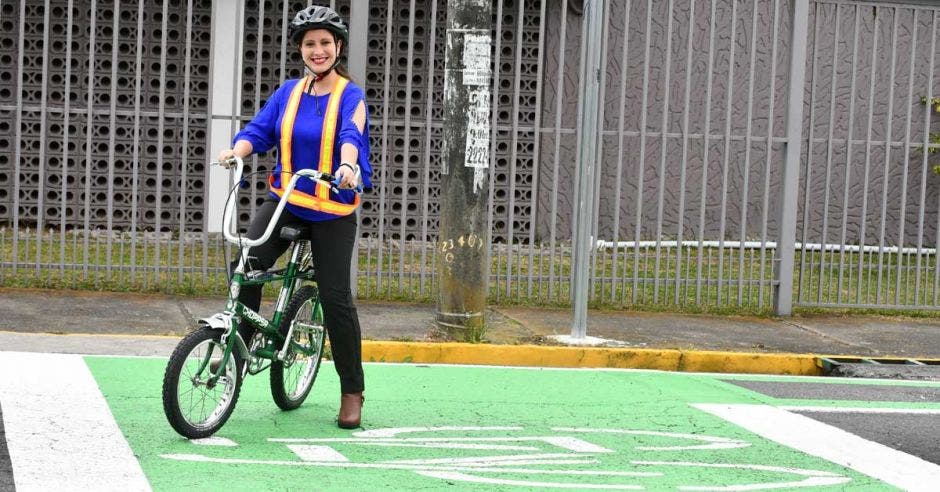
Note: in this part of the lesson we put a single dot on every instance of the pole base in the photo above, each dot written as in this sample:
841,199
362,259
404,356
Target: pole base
466,327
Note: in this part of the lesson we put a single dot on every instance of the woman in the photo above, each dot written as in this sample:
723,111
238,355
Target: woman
321,122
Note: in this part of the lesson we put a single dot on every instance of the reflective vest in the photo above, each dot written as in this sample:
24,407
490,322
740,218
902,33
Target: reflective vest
320,200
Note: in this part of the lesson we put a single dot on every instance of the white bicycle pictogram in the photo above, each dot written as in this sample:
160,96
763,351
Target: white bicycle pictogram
507,456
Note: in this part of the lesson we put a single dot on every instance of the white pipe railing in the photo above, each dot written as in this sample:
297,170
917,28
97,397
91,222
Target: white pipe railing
600,245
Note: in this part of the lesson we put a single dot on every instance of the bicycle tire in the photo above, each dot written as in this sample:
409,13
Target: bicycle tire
185,389
293,378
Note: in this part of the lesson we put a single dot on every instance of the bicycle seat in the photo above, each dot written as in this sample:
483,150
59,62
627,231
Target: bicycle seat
291,233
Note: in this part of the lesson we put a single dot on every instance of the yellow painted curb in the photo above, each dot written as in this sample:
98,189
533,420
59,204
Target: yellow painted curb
749,363
596,357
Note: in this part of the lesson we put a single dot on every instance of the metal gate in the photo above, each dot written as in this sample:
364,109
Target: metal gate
869,193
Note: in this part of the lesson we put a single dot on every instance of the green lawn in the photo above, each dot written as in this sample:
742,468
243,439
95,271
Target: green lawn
685,279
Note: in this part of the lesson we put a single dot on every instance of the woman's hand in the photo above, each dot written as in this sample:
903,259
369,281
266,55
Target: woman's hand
226,158
348,176
242,149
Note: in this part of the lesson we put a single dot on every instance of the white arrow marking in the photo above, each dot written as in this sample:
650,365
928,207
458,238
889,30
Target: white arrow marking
317,453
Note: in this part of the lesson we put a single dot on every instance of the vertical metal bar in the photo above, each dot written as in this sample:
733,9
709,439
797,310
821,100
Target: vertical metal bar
907,154
747,152
598,172
111,136
641,161
768,156
161,115
89,118
18,131
514,145
936,270
553,212
599,166
928,109
615,260
848,158
74,257
285,7
889,120
885,169
384,167
727,153
494,134
662,161
685,149
259,47
587,155
537,136
138,80
829,152
810,153
783,295
426,186
871,113
184,157
66,103
706,135
40,206
409,70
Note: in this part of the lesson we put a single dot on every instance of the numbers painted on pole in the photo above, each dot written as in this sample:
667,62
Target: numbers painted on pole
471,241
448,247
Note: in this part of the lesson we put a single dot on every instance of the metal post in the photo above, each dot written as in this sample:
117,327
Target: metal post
358,44
464,237
588,149
783,289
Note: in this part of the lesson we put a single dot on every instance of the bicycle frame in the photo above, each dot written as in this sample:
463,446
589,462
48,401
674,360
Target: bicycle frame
235,311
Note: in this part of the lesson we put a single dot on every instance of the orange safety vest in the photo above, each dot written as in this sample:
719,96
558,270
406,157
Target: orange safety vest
320,201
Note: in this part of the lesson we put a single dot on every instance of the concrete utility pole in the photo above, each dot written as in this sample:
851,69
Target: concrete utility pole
464,238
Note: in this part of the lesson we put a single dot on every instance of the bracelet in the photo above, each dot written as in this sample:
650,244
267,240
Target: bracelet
355,169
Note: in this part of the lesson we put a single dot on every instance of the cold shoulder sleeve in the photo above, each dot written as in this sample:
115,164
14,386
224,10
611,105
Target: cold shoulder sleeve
349,132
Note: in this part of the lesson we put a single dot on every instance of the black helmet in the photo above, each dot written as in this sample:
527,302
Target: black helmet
317,17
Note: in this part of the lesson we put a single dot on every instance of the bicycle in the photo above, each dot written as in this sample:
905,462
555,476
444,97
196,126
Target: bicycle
205,372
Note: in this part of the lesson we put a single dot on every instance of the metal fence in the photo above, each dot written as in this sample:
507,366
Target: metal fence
107,107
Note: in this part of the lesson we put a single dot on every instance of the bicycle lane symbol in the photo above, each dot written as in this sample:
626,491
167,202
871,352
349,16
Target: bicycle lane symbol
511,457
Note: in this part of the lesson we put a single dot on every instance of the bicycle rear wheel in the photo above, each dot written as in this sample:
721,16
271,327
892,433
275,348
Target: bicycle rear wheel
195,402
292,378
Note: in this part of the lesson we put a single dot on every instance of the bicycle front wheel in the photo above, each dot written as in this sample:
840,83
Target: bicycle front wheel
292,378
195,401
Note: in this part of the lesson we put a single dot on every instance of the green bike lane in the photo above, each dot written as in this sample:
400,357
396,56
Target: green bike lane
447,427
496,428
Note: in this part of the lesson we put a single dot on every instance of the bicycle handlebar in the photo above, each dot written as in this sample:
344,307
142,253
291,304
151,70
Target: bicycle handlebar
231,204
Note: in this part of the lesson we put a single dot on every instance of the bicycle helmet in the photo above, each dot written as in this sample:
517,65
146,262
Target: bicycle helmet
317,17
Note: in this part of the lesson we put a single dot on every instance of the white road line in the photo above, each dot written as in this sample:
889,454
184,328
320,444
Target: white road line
833,444
912,411
59,430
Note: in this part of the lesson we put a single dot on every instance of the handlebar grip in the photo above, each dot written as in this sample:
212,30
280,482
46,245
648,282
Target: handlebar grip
335,184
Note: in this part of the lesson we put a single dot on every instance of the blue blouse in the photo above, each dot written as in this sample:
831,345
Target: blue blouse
264,133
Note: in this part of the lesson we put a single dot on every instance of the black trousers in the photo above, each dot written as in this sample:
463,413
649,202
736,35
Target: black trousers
331,245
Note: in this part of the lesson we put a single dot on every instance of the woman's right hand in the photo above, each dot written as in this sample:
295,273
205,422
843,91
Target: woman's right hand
226,158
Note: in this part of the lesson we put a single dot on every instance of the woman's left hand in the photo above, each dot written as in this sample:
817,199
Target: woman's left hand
348,176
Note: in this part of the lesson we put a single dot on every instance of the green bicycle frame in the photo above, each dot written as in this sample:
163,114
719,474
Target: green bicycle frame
290,277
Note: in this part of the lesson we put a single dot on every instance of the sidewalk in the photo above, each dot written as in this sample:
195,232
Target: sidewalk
396,332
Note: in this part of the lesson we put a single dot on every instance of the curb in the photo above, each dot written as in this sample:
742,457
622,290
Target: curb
591,357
